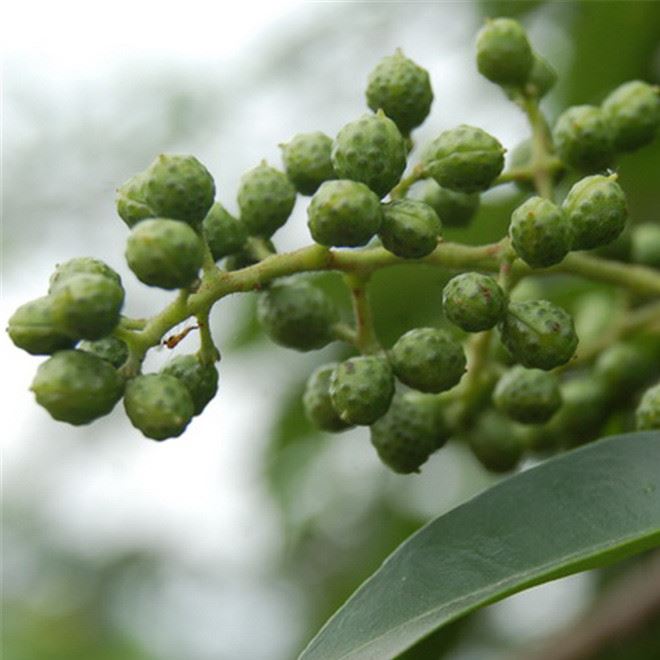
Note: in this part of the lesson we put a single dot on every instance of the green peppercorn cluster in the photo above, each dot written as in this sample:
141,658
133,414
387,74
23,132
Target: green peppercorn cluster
502,367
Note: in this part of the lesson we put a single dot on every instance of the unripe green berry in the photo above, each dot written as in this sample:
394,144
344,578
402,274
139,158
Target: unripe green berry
344,214
109,348
455,209
647,415
87,306
624,367
33,328
428,359
77,387
542,77
583,138
307,161
266,198
473,302
540,232
318,404
164,253
596,208
496,442
464,158
296,314
504,55
201,380
633,112
410,228
402,90
411,430
361,389
529,396
372,151
645,248
224,233
538,334
78,266
159,405
174,186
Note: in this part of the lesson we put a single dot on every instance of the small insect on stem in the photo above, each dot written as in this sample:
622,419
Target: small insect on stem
174,340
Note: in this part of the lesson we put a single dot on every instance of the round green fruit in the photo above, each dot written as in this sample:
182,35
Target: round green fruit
77,387
529,396
164,253
224,233
266,198
647,415
78,266
473,302
410,229
201,380
87,306
465,158
624,367
372,151
344,214
130,203
455,209
504,55
583,138
540,232
538,334
296,314
402,90
307,161
633,112
159,405
542,77
596,208
428,360
361,389
318,404
496,442
411,430
645,244
109,348
33,328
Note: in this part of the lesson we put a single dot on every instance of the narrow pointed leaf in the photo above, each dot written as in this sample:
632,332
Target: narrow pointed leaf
577,511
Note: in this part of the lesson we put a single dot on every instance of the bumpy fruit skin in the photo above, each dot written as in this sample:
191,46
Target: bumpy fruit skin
307,161
224,233
529,396
464,158
633,112
596,208
428,360
164,253
77,387
87,306
473,302
538,334
504,55
645,248
297,315
317,402
361,389
372,151
78,266
496,442
159,405
540,232
201,380
411,430
266,198
33,328
542,77
410,228
583,138
624,367
455,209
402,90
647,415
174,186
344,214
110,349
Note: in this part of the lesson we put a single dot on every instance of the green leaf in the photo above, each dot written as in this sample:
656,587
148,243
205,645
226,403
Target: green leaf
577,511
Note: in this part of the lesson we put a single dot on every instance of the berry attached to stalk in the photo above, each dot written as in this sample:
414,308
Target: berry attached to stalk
318,404
109,348
33,328
224,233
496,441
473,302
410,228
78,266
201,380
307,161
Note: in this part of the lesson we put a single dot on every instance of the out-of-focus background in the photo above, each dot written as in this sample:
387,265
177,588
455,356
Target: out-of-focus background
238,539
